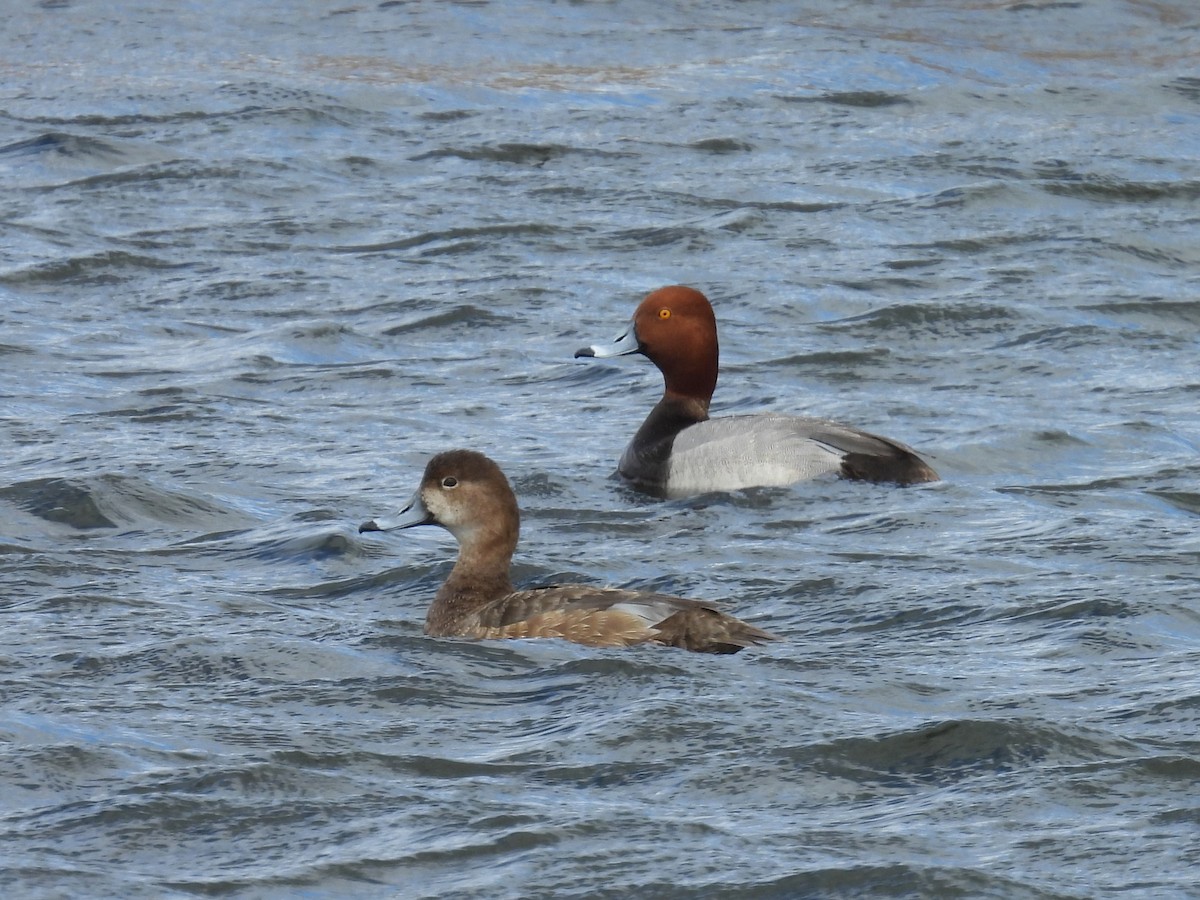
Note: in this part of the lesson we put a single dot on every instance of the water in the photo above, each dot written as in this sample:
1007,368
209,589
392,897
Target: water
259,265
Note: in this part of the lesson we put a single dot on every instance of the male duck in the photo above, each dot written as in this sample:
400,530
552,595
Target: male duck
680,451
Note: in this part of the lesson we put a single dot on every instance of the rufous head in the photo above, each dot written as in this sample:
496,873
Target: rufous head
676,328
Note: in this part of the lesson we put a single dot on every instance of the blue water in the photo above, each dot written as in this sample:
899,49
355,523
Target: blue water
259,264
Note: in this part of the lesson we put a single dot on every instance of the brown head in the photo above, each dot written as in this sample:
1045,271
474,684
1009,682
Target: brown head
675,327
468,495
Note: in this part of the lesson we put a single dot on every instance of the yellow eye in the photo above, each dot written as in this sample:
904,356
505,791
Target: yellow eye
664,313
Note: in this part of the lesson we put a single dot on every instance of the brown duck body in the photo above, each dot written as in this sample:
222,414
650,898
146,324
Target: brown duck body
599,617
679,450
466,493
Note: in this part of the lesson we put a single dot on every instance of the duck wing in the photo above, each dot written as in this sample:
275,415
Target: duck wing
612,617
767,450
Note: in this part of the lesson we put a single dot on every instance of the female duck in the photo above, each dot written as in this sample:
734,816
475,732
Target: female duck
468,495
679,450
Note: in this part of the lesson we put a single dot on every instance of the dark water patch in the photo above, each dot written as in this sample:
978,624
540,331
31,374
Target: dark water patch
1076,609
1045,6
955,198
583,522
1152,311
335,112
107,267
387,307
587,373
930,620
457,663
149,825
692,238
993,243
1186,86
43,877
1066,489
534,682
1168,260
1189,816
1056,438
105,501
911,320
38,772
1185,769
322,348
773,205
7,548
721,145
516,153
1116,190
1182,500
639,666
994,169
130,374
324,116
359,166
538,484
59,500
468,849
135,500
854,99
1057,337
184,661
852,880
763,205
945,752
605,775
1183,710
447,115
151,177
420,580
459,238
441,768
464,315
61,162
79,149
882,285
283,541
367,764
266,780
903,264
160,414
273,97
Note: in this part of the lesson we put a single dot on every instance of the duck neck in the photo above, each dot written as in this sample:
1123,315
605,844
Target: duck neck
480,575
646,460
673,413
694,383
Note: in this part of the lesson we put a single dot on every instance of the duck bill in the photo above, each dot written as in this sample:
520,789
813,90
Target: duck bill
412,515
622,345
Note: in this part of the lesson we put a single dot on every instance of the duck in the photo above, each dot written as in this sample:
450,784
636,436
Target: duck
679,451
466,493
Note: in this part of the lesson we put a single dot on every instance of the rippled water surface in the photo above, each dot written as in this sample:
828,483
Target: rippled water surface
259,264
